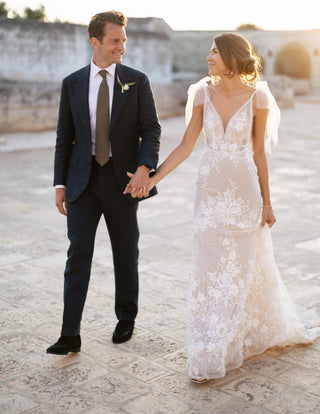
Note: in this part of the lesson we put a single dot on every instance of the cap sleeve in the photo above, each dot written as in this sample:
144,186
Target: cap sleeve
196,96
265,100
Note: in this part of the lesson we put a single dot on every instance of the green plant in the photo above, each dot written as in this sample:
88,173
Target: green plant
35,14
3,9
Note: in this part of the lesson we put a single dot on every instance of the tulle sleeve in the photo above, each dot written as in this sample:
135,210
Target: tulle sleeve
265,100
196,96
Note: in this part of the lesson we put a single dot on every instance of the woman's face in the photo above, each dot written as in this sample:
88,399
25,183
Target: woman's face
215,63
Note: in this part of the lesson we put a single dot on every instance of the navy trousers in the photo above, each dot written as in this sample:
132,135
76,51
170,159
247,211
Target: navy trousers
101,197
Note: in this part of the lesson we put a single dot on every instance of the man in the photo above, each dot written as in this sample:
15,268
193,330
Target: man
107,126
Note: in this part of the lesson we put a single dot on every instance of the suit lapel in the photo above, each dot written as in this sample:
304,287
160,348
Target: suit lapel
81,93
119,97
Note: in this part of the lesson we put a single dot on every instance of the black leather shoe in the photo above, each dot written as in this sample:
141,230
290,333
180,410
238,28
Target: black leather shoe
65,344
123,332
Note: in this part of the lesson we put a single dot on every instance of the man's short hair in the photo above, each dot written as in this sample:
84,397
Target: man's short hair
98,22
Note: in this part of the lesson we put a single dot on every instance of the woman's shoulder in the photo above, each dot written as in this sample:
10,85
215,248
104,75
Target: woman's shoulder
264,96
197,91
202,84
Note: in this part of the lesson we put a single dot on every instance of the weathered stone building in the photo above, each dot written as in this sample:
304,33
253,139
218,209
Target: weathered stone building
36,56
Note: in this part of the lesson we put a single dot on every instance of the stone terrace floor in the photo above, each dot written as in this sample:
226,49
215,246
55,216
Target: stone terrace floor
147,375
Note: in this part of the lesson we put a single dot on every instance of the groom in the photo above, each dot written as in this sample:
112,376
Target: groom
107,126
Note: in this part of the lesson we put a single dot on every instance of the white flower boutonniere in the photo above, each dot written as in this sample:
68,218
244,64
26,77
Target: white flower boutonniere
126,86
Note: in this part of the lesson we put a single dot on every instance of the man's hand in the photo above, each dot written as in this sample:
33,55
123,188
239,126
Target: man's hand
139,183
61,200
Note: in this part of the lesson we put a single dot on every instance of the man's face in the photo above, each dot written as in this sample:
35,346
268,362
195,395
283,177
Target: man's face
112,46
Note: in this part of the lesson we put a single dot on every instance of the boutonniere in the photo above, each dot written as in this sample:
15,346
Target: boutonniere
125,86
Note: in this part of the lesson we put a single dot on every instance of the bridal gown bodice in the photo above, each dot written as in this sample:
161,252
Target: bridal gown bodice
227,171
237,303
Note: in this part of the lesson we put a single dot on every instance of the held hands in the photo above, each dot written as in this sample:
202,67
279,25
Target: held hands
140,183
268,216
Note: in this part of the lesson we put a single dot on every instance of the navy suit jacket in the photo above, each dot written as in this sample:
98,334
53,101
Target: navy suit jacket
134,130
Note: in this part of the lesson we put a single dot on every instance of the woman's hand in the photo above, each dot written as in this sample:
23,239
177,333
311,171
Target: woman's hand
268,216
136,191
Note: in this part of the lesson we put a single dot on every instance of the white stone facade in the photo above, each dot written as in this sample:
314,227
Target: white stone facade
36,56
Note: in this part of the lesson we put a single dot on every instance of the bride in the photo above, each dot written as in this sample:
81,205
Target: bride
238,305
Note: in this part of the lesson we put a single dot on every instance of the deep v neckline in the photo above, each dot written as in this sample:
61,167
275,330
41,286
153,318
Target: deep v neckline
233,115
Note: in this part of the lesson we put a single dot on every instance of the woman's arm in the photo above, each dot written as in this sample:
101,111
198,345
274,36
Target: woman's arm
260,159
181,152
184,149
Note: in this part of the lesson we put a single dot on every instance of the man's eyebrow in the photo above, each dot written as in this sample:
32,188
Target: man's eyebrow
119,38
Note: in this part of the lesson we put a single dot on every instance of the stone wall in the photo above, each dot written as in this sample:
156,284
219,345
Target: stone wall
41,52
149,48
190,48
38,52
36,56
28,106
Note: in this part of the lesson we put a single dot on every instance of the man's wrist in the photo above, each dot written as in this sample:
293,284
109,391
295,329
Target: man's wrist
146,167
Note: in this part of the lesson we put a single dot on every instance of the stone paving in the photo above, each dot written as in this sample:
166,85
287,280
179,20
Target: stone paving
147,375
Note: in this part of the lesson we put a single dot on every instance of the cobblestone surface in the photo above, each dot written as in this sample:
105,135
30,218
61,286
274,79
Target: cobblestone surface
148,373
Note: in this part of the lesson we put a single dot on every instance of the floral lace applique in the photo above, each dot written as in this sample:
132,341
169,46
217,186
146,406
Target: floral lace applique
226,209
237,303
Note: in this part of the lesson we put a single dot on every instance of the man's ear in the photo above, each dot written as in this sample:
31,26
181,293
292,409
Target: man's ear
94,42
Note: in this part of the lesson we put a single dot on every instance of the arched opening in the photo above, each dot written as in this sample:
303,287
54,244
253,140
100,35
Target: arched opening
293,60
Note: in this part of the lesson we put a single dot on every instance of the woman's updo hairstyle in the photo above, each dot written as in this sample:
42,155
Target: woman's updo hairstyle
238,55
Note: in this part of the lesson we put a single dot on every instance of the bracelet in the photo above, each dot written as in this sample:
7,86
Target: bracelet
267,206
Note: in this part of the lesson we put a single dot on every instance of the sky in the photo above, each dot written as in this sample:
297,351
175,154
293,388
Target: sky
200,15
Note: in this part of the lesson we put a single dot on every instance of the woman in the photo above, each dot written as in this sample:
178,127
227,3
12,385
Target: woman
237,303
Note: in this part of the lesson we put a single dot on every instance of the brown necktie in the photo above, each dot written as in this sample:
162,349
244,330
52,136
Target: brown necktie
102,122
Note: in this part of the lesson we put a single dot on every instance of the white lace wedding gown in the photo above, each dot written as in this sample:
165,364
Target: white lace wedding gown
238,305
